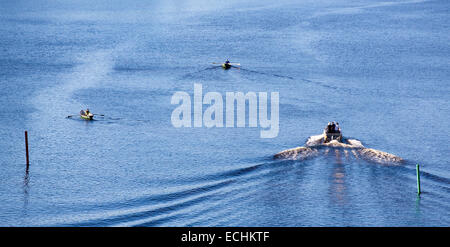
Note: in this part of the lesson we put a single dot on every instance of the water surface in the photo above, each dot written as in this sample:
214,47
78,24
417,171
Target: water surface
378,68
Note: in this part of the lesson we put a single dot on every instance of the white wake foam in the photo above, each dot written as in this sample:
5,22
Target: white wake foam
314,143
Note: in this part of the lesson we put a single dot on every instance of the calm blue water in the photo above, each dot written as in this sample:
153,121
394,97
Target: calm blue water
381,69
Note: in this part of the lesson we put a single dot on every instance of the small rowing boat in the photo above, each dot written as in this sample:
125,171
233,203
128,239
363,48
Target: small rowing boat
86,115
226,65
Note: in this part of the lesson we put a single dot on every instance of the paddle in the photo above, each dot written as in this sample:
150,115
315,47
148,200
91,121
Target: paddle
70,116
237,64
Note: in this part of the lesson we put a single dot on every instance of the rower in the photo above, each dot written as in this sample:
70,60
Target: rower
86,113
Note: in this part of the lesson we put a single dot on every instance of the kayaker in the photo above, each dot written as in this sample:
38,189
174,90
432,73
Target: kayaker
85,113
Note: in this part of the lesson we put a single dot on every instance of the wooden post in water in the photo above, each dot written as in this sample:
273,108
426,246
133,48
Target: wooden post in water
26,149
418,179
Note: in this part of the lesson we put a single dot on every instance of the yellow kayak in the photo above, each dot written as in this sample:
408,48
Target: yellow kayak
86,116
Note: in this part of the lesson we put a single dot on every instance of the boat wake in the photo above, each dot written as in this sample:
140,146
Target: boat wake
267,74
314,146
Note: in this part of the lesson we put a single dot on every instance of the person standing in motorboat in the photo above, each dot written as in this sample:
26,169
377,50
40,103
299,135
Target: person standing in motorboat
328,128
333,127
337,129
